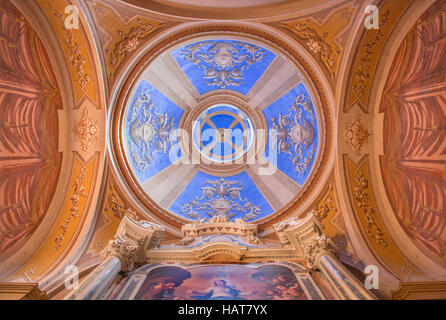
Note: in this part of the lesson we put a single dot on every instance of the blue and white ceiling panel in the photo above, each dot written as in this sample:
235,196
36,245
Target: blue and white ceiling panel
293,118
223,64
235,197
150,131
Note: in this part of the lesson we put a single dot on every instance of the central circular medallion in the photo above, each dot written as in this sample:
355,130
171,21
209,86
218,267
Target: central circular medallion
222,133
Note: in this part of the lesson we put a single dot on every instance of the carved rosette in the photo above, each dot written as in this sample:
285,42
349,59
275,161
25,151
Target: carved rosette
86,129
356,134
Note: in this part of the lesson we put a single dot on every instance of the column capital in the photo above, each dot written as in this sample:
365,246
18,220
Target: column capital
306,236
132,239
124,250
321,245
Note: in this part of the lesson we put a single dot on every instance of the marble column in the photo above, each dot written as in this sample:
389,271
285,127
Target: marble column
321,257
131,241
308,239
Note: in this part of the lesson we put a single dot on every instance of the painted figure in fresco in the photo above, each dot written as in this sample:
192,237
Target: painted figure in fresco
220,291
161,282
281,283
292,291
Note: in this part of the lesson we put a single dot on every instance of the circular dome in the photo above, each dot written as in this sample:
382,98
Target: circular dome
220,125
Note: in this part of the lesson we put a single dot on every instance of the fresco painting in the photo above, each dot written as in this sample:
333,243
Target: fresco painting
29,130
221,282
413,103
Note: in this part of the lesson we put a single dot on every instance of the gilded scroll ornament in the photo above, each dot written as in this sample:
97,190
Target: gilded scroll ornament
363,73
78,193
321,38
126,34
360,194
74,51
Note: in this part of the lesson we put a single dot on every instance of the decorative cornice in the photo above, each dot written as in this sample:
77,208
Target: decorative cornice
27,291
78,193
133,238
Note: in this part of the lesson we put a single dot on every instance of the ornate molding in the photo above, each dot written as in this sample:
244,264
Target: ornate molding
124,250
317,247
78,193
305,235
356,134
370,48
361,196
223,63
220,225
126,34
21,291
369,219
133,238
86,129
282,227
326,205
321,37
76,49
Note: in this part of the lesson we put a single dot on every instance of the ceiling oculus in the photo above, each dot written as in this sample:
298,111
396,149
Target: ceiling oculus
223,133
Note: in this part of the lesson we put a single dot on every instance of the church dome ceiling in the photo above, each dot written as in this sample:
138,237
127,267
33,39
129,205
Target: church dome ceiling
220,125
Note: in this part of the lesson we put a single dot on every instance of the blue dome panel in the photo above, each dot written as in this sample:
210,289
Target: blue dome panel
236,197
150,131
223,64
294,119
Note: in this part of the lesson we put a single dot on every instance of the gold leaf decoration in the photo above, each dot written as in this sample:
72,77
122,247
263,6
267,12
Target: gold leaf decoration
321,38
356,134
86,129
126,36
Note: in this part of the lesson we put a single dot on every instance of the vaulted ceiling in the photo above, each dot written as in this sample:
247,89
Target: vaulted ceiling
156,106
